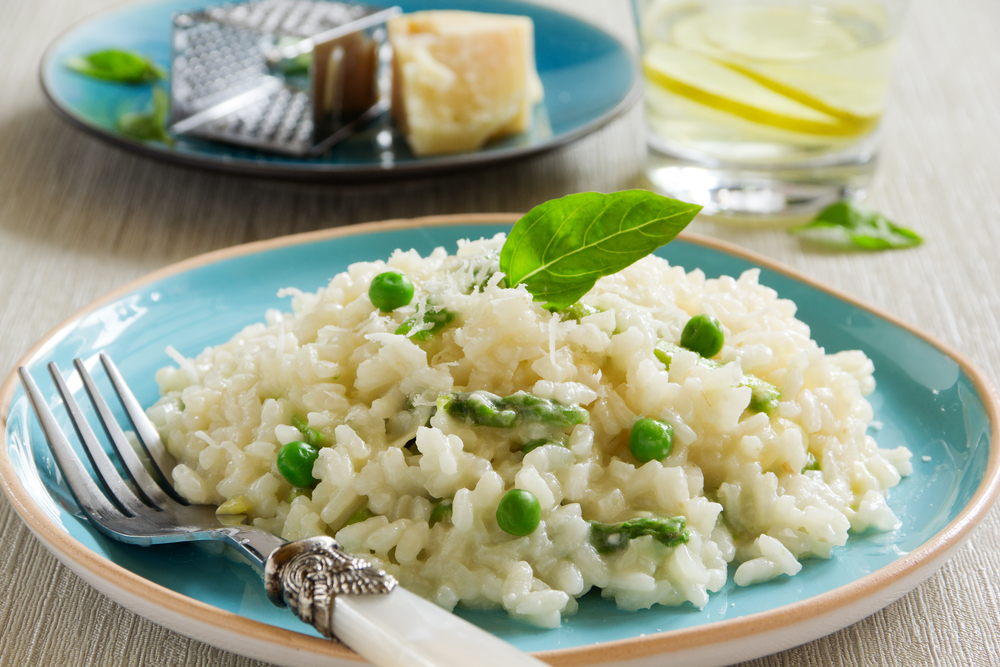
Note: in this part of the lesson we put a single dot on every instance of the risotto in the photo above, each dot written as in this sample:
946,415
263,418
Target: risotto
425,418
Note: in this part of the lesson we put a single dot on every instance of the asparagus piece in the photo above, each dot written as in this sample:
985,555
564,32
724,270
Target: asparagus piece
486,409
480,407
361,514
440,513
610,537
534,444
238,505
764,396
437,319
312,436
546,410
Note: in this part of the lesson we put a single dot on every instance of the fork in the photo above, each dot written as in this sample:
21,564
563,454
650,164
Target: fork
344,597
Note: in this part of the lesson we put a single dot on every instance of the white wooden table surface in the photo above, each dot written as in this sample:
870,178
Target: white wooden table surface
79,218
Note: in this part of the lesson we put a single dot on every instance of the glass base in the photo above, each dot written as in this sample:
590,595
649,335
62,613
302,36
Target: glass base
779,195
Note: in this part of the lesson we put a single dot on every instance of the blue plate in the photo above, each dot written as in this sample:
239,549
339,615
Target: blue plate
928,398
589,78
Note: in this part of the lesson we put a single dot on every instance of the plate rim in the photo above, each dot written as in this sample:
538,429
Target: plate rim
676,642
335,173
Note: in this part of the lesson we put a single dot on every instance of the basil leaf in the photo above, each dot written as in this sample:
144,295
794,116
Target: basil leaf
117,65
560,248
849,223
149,126
161,106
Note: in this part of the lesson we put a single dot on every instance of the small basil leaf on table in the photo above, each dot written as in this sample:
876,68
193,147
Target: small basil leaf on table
562,247
117,65
849,223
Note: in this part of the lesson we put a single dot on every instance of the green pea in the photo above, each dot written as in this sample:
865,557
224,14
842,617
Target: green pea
650,440
295,463
519,512
703,334
390,290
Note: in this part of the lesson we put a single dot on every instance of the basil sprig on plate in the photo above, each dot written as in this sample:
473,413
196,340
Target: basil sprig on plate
848,223
562,247
151,125
117,65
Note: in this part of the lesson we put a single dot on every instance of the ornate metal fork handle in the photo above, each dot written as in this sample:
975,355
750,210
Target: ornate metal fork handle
309,574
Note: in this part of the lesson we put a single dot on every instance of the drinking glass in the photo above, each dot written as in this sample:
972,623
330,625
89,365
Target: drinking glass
767,108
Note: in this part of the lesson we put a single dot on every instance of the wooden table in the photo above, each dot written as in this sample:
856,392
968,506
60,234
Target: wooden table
78,218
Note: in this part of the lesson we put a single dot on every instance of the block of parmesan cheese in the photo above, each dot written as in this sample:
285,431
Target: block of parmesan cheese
461,79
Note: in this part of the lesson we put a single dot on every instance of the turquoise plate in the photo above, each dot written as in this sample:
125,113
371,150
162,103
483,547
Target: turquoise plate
589,78
928,398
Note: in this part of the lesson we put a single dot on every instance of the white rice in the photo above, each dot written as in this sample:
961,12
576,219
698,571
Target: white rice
734,475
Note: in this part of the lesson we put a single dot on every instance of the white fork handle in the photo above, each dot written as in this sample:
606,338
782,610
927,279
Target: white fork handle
403,629
346,597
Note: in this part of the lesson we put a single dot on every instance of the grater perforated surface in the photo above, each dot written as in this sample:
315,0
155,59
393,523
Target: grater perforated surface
230,83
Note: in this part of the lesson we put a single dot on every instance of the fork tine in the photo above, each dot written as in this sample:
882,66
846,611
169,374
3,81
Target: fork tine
114,488
87,494
149,437
148,490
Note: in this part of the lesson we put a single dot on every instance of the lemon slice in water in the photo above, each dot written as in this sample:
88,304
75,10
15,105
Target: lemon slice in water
718,86
782,67
763,34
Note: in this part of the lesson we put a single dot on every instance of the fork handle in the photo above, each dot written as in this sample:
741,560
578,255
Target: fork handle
346,597
403,629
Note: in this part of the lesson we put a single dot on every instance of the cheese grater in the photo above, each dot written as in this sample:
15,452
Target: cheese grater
284,76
